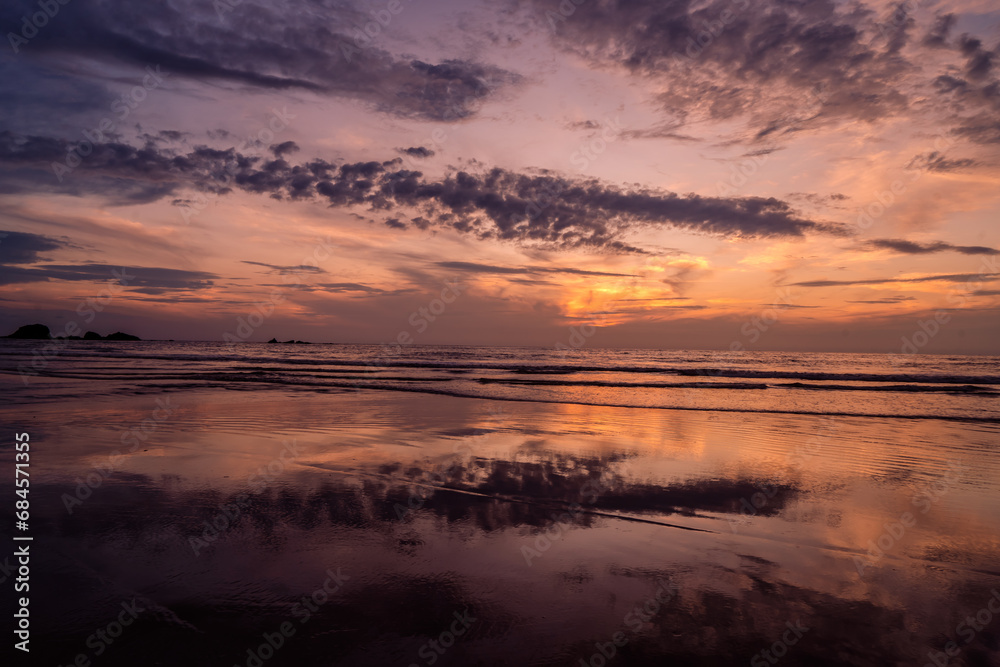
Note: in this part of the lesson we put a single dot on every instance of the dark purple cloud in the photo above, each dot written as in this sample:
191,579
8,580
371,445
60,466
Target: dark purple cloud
25,248
912,248
303,45
146,279
539,208
417,152
935,161
473,267
949,278
782,66
287,270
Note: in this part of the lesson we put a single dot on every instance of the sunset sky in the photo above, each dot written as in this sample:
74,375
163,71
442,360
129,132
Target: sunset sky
665,170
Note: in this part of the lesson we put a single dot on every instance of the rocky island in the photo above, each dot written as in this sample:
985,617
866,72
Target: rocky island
41,332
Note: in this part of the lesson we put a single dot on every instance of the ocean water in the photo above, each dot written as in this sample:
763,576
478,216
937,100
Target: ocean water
502,506
927,386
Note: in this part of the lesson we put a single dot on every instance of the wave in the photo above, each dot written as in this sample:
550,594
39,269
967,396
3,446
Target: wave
316,363
265,374
458,393
817,384
962,389
252,382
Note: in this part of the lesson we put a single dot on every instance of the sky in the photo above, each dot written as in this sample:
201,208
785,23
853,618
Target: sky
724,174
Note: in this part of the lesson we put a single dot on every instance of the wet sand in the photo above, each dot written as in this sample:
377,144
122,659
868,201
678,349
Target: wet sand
373,528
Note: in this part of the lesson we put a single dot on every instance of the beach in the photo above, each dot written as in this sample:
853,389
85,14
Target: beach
278,510
520,333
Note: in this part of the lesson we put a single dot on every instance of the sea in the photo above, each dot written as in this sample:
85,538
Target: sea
258,504
877,385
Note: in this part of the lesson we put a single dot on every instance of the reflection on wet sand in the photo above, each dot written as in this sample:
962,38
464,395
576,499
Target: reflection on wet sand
534,535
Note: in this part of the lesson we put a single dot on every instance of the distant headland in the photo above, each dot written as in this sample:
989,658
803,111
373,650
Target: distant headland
41,332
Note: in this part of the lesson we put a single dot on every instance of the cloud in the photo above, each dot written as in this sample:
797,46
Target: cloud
935,161
165,137
819,200
335,288
417,151
937,36
34,94
25,248
951,278
349,287
287,270
753,65
472,267
970,92
122,173
539,207
887,300
913,248
144,279
782,67
298,45
547,208
658,299
583,125
284,148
